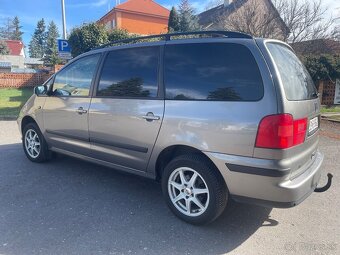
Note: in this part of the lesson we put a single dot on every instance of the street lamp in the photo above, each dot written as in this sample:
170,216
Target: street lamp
64,19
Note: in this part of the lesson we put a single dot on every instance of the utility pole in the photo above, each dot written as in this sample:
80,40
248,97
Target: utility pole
64,19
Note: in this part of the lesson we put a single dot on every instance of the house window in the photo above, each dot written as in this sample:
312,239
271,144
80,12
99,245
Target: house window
108,25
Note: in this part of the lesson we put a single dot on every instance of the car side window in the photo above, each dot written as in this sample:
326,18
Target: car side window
76,79
131,73
211,71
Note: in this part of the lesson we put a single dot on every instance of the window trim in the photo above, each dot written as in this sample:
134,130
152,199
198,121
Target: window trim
160,86
207,100
70,64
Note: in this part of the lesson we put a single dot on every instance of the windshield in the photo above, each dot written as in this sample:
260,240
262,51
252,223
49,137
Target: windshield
297,82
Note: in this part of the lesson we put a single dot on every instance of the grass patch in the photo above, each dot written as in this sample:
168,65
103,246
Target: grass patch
330,109
12,100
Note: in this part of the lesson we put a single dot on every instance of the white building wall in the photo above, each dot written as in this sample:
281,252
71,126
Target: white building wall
16,61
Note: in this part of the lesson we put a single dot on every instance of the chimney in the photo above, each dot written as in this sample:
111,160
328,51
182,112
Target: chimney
227,2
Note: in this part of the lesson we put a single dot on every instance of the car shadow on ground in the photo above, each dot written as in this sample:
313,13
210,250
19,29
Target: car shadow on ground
68,206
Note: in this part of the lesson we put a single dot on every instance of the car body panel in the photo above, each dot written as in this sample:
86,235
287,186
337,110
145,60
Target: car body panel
302,154
118,132
64,127
32,108
279,191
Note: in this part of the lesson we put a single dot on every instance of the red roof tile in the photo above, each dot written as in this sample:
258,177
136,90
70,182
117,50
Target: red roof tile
144,6
14,47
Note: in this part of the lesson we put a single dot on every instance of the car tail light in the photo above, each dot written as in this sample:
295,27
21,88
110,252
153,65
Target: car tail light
281,131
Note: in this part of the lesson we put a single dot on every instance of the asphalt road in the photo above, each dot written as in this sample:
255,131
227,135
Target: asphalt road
72,207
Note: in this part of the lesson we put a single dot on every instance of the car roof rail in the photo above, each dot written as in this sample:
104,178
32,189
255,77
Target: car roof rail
167,37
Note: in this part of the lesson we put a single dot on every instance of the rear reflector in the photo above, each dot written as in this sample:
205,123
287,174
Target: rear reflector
281,131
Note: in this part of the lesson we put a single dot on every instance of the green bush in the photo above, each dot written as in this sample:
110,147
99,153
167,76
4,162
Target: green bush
323,67
87,37
118,34
90,36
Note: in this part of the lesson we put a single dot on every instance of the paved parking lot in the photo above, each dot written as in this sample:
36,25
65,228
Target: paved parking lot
72,207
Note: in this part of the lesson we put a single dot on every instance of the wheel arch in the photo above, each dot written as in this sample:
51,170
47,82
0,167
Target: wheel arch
173,151
26,120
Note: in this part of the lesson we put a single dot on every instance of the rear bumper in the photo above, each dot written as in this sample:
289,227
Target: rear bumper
264,182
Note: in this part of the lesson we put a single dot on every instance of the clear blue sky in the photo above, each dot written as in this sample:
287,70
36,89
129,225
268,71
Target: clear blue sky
80,11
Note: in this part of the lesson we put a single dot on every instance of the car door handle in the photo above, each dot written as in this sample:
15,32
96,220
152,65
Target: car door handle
81,110
151,117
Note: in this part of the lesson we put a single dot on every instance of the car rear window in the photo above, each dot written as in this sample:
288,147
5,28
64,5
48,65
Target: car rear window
297,83
211,71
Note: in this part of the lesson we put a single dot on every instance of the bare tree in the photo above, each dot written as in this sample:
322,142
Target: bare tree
306,20
6,29
255,17
292,21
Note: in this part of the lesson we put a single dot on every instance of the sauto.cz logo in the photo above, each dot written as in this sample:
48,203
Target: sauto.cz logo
310,247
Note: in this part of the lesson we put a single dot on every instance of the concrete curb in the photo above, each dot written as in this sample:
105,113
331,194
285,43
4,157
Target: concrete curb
329,114
8,118
329,119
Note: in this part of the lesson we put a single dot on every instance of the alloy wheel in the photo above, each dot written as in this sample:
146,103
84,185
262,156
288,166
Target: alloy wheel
32,143
188,191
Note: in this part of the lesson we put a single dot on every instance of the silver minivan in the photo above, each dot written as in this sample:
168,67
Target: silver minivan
212,115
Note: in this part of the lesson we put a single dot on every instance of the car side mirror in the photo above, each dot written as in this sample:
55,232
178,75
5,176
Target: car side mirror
40,90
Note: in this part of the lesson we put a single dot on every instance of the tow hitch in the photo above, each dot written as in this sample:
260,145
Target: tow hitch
327,186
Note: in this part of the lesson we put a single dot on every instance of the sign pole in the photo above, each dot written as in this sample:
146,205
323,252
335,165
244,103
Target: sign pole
64,19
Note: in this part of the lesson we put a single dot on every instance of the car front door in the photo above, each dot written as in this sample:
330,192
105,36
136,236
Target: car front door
127,110
65,112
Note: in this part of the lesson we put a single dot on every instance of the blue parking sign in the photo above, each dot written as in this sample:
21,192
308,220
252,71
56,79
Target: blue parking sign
64,49
63,46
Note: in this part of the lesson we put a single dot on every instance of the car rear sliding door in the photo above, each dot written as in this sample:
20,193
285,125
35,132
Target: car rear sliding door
127,110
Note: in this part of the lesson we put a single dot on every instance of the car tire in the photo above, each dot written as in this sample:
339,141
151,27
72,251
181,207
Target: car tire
34,143
198,200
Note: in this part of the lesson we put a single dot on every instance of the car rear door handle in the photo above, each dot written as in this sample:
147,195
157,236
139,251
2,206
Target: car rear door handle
151,117
81,110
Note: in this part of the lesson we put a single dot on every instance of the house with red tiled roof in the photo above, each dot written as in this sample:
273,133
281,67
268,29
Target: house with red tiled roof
142,17
15,47
16,56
